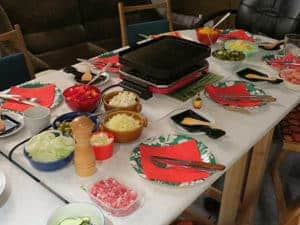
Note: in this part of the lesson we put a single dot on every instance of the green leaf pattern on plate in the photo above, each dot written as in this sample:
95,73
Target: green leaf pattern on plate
58,98
251,88
171,139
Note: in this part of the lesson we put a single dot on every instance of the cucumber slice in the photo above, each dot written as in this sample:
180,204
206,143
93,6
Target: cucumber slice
71,221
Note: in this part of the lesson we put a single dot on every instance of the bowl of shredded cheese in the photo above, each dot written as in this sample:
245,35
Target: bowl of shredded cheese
126,126
122,100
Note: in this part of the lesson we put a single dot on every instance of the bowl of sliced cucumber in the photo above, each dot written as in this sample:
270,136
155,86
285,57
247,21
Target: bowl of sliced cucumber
77,214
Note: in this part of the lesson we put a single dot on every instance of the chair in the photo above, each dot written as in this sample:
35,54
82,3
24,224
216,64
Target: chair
130,34
273,18
15,68
287,214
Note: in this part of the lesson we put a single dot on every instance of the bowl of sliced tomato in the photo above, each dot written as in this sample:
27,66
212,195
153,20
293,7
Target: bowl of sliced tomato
82,97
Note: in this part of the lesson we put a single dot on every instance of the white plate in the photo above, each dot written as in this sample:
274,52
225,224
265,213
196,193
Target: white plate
18,118
2,182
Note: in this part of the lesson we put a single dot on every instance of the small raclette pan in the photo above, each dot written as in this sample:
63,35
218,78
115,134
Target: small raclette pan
166,58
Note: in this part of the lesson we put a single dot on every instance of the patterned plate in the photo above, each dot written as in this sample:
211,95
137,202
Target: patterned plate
58,98
251,88
270,59
171,139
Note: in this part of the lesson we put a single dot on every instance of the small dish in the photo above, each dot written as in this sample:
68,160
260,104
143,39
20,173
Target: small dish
82,97
103,151
229,60
247,47
75,210
125,136
207,35
246,71
68,117
178,116
13,122
121,199
2,182
291,78
77,75
137,107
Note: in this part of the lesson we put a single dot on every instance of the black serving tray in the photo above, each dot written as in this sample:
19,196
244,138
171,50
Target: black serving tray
190,113
164,59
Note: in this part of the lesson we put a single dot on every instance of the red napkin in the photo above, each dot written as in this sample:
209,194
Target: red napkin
237,34
289,57
44,94
100,62
187,151
238,89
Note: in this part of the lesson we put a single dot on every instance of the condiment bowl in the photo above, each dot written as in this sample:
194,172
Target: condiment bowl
125,136
137,107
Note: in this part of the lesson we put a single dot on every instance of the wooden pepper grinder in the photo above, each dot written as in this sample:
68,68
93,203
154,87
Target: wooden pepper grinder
84,159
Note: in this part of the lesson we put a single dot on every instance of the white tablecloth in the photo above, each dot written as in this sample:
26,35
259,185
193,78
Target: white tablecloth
161,204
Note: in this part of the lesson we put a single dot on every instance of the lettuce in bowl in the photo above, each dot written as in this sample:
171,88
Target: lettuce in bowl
49,146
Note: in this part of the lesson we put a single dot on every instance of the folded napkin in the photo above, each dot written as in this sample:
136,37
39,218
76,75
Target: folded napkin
237,34
45,96
237,89
187,151
101,62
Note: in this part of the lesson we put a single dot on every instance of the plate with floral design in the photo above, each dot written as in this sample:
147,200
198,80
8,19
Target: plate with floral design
250,87
58,98
166,140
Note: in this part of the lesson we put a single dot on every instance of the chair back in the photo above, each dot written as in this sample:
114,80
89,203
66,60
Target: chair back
273,18
130,34
15,37
135,31
13,71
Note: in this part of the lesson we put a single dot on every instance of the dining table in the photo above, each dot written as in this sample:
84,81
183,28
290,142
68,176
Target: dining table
244,151
23,200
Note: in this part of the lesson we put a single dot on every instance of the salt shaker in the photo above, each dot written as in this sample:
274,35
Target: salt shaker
84,159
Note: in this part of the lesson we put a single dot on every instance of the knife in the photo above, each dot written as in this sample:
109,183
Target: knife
189,163
18,100
264,98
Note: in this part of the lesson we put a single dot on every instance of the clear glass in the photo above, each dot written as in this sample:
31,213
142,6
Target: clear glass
292,44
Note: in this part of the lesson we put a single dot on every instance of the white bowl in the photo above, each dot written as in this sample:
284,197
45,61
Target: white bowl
228,64
2,182
74,210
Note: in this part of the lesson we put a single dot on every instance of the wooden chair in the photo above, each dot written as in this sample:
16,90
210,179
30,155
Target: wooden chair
128,9
288,215
16,37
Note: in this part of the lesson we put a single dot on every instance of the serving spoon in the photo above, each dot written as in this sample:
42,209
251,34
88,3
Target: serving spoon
271,45
212,130
269,79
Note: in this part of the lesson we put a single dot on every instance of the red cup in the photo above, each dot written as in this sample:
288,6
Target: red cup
103,152
207,39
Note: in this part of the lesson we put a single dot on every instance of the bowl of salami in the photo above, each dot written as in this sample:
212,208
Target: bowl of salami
114,197
291,78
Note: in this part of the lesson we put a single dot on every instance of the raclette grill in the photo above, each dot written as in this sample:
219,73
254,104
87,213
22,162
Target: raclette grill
162,65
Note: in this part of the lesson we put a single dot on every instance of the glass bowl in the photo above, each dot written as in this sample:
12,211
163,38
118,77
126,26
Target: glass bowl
121,192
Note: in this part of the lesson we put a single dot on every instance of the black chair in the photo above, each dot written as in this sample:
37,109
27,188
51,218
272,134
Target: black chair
13,70
273,18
